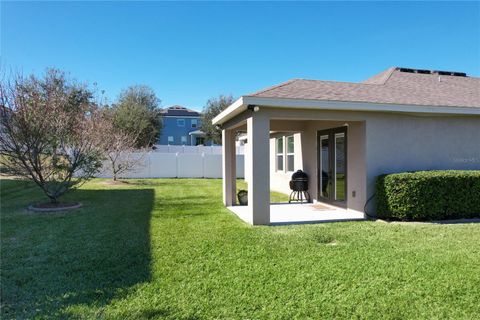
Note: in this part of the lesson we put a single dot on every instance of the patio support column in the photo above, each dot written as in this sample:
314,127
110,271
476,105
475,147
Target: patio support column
258,148
229,167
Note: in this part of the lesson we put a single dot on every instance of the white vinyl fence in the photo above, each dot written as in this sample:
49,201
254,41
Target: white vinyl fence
193,149
180,165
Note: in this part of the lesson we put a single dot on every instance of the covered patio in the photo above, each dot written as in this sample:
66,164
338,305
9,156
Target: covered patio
197,137
262,124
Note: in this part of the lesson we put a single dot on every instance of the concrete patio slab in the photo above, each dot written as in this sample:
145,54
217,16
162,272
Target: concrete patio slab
296,213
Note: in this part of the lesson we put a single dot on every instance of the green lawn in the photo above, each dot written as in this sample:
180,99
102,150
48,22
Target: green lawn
275,197
168,249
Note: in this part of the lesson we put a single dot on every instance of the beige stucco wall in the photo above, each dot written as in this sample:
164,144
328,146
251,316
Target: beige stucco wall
397,143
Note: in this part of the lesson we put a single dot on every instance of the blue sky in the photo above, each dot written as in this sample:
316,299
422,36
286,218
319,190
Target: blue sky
189,52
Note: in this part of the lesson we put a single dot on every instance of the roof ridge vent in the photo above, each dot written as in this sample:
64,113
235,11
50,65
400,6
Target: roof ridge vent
437,72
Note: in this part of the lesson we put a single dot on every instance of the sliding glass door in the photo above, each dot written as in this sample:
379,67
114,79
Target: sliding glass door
332,165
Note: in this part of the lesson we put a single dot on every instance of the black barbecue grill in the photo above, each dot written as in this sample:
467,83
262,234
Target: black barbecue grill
299,187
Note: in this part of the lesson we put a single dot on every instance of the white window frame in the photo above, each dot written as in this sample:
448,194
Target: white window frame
194,123
180,122
183,139
280,154
336,136
289,153
322,164
170,139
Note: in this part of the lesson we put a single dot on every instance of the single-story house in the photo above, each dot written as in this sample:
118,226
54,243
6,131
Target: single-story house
343,135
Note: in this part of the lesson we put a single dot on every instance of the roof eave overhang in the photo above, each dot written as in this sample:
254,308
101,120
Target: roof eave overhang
231,111
242,104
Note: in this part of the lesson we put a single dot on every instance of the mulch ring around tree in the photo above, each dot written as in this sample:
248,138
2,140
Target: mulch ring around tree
111,182
54,207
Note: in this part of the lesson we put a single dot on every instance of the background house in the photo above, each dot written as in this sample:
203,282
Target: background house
181,127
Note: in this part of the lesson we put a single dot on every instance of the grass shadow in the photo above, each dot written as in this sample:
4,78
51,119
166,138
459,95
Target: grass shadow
54,261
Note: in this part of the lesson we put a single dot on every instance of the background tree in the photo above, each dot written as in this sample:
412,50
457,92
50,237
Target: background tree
213,107
137,114
48,132
119,147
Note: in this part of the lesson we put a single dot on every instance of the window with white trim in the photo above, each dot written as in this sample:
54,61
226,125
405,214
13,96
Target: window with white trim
170,139
184,139
180,122
290,149
279,154
194,123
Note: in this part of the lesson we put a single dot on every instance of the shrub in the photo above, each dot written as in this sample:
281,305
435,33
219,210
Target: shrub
429,195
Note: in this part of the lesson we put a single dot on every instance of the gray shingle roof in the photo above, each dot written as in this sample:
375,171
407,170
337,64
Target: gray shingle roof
179,111
391,86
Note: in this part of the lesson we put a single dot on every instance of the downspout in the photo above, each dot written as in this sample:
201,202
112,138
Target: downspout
372,217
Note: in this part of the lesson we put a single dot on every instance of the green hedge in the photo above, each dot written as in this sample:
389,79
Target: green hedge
429,195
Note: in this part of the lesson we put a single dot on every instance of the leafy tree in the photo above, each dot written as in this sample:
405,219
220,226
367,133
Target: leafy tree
49,131
137,114
213,107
